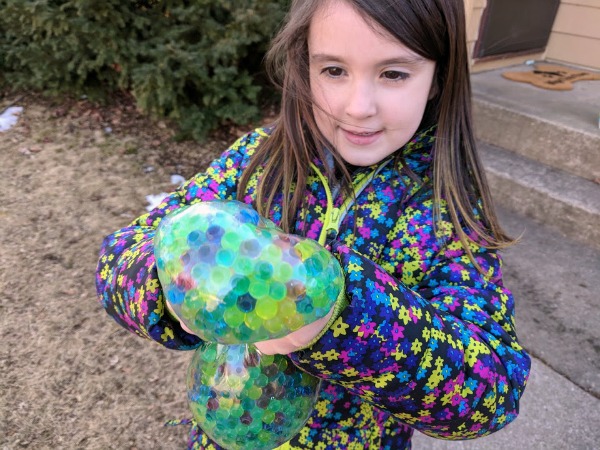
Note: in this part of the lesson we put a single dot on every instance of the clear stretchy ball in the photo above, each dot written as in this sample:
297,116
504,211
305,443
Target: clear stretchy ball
242,399
233,277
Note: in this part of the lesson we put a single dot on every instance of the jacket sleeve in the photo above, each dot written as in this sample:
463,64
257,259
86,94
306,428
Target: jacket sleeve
126,279
442,357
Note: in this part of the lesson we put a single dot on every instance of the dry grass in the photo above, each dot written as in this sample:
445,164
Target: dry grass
71,378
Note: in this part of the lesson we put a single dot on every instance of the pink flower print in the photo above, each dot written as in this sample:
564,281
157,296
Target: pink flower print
456,399
397,331
364,232
383,276
481,369
367,329
344,356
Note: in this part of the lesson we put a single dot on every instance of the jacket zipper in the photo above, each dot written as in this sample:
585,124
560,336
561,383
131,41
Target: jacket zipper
334,216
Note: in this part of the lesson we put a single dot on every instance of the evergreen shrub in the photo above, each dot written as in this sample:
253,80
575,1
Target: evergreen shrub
198,62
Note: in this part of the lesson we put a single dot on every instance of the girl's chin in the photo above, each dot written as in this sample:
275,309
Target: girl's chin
359,160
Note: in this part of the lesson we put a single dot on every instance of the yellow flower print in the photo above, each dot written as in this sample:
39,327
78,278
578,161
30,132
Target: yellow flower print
339,327
168,334
403,314
331,355
384,379
152,285
349,372
416,346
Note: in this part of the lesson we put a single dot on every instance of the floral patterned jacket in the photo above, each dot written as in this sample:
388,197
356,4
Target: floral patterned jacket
426,342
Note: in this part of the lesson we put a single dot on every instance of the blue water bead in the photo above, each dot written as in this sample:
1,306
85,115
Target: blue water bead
175,295
214,233
247,215
246,303
195,238
250,248
206,253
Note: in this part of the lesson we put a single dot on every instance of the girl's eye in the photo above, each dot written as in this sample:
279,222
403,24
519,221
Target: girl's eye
394,75
334,72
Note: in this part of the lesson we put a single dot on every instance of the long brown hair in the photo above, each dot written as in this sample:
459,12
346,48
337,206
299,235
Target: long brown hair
434,29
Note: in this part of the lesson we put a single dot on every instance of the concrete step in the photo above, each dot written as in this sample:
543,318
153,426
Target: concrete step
557,128
568,203
554,280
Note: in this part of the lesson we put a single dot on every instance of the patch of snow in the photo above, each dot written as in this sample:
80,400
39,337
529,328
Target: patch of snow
10,117
155,200
177,180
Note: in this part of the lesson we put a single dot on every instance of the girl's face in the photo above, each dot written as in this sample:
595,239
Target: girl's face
369,90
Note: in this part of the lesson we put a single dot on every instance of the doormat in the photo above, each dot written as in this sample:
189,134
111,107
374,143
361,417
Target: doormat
558,78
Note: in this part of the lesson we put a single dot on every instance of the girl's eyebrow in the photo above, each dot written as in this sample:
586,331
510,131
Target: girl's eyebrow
411,60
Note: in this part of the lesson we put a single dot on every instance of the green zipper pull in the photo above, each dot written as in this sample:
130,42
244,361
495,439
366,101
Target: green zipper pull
333,225
334,218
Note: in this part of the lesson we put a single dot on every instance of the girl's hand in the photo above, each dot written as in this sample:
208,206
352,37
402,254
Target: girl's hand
295,340
181,324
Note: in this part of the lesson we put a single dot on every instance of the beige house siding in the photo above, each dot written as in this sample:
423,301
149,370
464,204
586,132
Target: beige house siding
473,12
575,37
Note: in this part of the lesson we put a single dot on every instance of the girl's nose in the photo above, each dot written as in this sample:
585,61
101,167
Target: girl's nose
360,101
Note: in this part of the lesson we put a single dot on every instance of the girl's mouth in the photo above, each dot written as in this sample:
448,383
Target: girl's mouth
362,137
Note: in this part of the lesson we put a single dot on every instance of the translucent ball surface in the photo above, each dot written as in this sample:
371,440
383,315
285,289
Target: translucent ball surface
242,399
233,277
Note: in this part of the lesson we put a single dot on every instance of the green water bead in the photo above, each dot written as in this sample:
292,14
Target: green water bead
190,306
231,240
266,308
261,380
274,405
283,272
268,417
254,392
233,317
173,267
258,289
253,321
240,285
271,253
286,308
243,265
294,322
209,354
220,276
263,270
236,411
200,272
277,291
274,326
306,249
222,414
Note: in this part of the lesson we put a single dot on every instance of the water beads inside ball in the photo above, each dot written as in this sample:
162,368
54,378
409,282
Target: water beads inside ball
233,277
242,399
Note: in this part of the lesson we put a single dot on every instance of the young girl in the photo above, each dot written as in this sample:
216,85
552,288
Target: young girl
373,153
